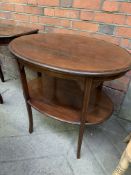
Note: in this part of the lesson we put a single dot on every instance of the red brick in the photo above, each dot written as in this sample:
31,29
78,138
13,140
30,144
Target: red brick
67,13
69,31
87,4
110,18
7,21
7,7
110,6
2,14
128,20
27,9
107,38
32,10
35,26
6,15
3,1
124,43
83,33
19,8
49,12
48,2
6,1
21,17
18,1
123,31
125,7
85,26
54,21
33,2
61,13
49,29
34,19
86,15
31,25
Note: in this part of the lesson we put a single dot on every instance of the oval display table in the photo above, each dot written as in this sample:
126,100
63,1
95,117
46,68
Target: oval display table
7,34
73,71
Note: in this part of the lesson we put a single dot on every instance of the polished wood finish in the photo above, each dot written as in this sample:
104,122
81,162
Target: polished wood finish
85,106
58,102
72,71
10,32
72,54
26,95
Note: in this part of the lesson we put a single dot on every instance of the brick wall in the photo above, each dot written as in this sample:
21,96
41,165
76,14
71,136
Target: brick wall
105,19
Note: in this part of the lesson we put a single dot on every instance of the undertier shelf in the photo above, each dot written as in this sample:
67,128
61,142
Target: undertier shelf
101,111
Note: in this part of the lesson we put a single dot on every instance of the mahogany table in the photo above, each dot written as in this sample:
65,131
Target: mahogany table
73,71
7,34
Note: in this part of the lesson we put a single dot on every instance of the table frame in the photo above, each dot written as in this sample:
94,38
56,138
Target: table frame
88,83
94,107
87,90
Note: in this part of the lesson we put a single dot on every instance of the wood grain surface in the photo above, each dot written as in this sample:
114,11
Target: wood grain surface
72,54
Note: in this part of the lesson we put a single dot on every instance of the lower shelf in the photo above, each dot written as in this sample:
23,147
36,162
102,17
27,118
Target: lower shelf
97,113
100,112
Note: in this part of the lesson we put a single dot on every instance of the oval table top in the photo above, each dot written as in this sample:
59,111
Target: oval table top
10,31
72,54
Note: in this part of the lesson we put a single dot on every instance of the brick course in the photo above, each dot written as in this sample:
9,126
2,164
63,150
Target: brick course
99,18
109,20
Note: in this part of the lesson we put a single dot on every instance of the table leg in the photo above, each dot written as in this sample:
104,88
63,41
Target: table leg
1,99
87,92
98,95
1,75
39,74
26,95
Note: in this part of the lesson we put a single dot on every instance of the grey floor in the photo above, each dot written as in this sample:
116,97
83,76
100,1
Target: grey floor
51,149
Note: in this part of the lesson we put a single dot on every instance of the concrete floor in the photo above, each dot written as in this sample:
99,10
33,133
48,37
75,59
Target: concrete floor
51,149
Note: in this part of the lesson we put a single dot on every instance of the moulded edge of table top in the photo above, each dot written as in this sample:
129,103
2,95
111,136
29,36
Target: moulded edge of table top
33,64
6,39
26,31
20,34
56,69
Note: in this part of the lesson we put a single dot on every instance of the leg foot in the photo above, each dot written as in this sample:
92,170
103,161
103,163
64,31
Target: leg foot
1,75
39,74
30,118
87,93
81,133
1,99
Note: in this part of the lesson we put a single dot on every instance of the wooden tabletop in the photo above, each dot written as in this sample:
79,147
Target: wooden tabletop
72,54
8,31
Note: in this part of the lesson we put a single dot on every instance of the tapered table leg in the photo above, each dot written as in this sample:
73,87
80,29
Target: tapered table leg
87,92
26,95
1,75
39,74
1,99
